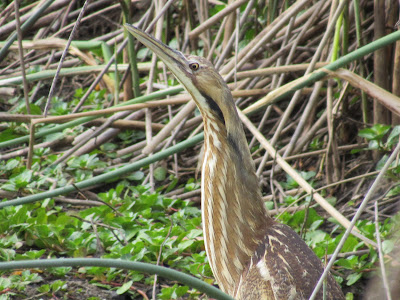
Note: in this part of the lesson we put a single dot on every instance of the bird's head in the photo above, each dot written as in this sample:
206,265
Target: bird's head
206,86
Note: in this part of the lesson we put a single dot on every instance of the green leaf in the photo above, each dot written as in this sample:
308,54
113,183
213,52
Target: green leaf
173,292
331,200
387,246
109,147
381,129
307,175
350,244
125,287
376,132
194,233
137,176
171,186
344,263
373,145
9,187
58,285
160,173
45,288
316,224
7,135
185,244
288,200
394,191
353,278
367,133
35,109
11,164
393,136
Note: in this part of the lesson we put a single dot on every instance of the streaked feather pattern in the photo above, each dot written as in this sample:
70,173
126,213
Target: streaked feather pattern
251,256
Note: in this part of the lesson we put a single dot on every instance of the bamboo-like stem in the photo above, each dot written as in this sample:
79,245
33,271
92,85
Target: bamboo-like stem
106,176
121,264
317,75
131,48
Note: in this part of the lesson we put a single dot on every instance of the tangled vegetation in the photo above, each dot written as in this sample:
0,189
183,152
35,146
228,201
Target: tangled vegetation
97,165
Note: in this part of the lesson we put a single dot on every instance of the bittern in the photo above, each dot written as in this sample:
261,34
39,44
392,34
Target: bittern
251,255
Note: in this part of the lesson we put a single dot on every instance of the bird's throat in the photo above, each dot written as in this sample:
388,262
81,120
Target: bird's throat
232,209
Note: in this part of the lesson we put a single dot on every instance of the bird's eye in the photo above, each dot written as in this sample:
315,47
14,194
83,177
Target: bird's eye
194,66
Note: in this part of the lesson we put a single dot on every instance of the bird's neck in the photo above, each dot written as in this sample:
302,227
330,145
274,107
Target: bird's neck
233,212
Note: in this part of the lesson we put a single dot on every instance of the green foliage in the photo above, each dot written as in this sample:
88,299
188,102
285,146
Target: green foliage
19,181
160,173
292,184
375,135
316,144
137,225
18,282
141,224
174,292
52,288
323,244
192,185
8,134
95,98
125,287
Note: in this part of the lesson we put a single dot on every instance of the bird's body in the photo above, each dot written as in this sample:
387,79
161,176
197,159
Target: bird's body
251,255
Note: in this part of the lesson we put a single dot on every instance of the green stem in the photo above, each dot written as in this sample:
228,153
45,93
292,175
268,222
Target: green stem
32,19
345,41
357,21
336,39
109,176
168,273
341,62
81,45
357,18
73,123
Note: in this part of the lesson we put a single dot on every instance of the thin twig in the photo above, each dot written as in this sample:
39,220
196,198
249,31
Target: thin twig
71,36
159,259
381,255
304,184
363,204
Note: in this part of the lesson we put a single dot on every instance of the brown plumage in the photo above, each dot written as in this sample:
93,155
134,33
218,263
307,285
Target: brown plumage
251,255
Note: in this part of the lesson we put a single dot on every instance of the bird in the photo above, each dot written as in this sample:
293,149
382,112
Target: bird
251,255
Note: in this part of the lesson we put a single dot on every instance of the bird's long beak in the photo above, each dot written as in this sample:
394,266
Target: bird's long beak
173,59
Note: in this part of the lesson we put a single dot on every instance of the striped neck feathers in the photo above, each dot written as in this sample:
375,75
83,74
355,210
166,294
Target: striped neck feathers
233,212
